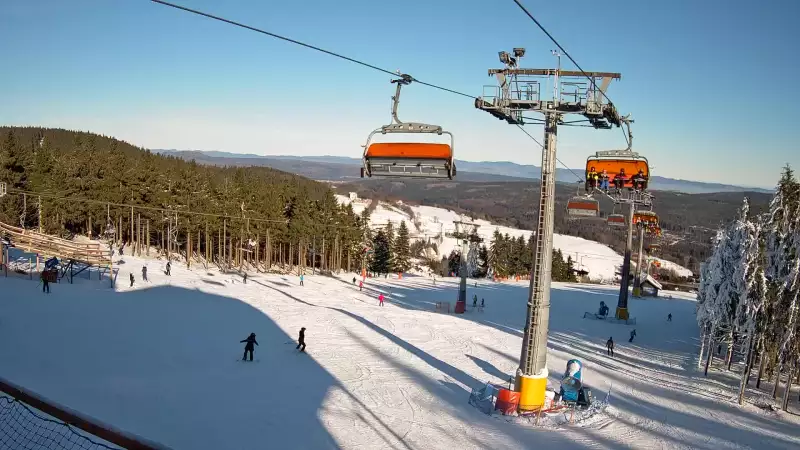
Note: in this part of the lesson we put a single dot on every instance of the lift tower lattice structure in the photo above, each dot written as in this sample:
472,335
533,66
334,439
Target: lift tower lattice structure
466,237
526,90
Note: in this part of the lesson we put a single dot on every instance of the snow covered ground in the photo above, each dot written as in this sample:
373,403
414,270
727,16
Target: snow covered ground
162,360
434,223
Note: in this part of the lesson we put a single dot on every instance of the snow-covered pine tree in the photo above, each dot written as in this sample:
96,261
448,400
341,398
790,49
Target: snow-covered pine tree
781,270
402,249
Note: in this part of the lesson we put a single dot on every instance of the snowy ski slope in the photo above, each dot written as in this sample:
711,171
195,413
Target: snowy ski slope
161,360
432,223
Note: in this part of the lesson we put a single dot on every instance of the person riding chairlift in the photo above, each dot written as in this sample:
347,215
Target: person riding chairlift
639,181
604,181
619,180
591,180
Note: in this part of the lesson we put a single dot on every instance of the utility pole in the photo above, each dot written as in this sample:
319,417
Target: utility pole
518,91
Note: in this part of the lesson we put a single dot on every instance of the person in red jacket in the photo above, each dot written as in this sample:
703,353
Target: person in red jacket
380,300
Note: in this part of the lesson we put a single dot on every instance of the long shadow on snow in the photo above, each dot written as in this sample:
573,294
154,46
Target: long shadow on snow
164,363
453,395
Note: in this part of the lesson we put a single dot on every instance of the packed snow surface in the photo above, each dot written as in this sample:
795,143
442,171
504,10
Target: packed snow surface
431,223
163,360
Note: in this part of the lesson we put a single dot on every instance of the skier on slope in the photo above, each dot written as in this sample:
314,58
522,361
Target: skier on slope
669,317
248,347
633,335
244,277
301,341
360,285
131,279
354,281
610,347
475,300
380,299
301,279
144,273
482,303
45,283
169,267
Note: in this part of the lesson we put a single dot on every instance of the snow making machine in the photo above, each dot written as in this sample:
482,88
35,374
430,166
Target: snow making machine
411,159
572,390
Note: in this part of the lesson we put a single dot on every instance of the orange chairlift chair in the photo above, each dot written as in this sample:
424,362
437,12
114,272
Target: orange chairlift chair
408,159
620,165
648,219
582,207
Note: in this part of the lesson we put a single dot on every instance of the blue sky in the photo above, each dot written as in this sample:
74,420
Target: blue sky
709,83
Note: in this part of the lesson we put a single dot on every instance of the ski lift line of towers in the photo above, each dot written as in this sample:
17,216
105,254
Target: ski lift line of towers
251,250
517,92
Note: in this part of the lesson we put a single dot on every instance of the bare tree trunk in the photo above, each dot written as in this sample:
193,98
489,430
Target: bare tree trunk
710,352
788,387
703,333
761,365
746,371
777,379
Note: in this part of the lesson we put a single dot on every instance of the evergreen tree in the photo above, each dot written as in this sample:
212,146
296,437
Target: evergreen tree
454,262
483,262
402,249
380,262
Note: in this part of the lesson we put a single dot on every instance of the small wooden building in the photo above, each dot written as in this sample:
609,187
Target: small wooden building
649,287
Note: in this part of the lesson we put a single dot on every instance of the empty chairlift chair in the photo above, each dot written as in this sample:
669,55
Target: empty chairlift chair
408,159
583,208
617,220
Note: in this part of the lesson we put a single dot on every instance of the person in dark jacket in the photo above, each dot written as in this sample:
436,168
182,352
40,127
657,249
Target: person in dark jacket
144,273
131,279
169,267
244,277
248,347
633,335
610,347
45,283
669,317
639,181
301,341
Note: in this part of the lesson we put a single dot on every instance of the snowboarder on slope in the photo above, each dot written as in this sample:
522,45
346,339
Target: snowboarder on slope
144,273
669,317
301,279
610,347
301,341
248,347
633,335
169,267
131,279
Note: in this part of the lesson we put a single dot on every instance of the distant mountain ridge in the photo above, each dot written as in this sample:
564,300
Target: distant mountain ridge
342,168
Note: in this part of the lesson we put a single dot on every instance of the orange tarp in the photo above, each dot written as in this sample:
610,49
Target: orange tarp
409,150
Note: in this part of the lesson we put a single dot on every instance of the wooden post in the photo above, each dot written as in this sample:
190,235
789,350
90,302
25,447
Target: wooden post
139,234
188,246
131,239
198,255
258,241
147,238
224,240
219,246
208,246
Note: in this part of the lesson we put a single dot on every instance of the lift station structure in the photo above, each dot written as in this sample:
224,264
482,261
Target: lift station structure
519,91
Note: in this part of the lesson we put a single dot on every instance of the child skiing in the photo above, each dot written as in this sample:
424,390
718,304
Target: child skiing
633,335
360,285
301,341
248,347
610,347
380,300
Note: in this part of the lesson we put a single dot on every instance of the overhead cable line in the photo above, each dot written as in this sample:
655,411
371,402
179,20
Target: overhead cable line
303,44
365,64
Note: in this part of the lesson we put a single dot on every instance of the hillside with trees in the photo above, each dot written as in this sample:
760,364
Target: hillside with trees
88,184
688,220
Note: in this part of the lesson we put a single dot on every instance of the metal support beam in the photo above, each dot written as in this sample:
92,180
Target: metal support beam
533,360
637,281
622,303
